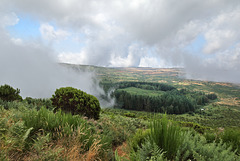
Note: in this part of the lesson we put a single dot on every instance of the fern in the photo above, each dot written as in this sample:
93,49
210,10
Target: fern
195,147
149,152
167,135
25,136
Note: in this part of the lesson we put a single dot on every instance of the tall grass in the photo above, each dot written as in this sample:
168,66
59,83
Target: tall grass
167,135
49,121
29,134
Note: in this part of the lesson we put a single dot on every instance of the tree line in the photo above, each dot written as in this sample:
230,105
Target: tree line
173,101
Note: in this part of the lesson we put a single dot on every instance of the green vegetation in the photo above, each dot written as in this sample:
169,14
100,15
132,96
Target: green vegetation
8,93
159,97
167,141
76,101
37,133
42,129
139,91
167,136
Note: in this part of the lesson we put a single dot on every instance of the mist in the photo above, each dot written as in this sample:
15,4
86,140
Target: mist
32,68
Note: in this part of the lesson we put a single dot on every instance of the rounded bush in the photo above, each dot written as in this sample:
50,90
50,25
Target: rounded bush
75,101
8,93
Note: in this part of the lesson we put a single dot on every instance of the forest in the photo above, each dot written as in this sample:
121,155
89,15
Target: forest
159,97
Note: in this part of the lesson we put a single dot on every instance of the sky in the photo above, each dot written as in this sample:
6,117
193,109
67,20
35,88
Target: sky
203,37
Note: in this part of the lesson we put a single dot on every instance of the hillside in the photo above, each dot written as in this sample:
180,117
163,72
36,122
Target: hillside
158,115
228,93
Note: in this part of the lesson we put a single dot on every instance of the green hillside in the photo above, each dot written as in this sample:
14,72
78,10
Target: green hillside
158,115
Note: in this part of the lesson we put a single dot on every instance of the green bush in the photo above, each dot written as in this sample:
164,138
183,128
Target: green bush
76,101
8,93
198,128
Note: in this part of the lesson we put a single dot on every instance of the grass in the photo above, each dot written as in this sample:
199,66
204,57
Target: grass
29,131
31,134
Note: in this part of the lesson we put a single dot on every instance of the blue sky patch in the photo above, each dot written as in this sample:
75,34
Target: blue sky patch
196,45
26,28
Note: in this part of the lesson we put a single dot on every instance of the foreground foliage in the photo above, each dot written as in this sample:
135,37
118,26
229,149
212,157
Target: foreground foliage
32,132
167,141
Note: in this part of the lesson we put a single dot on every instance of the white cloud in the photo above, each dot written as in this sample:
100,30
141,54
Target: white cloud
73,58
17,41
222,31
134,54
217,39
8,19
152,62
49,33
110,28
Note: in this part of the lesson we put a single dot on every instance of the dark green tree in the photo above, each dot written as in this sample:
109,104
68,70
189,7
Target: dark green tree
8,93
75,101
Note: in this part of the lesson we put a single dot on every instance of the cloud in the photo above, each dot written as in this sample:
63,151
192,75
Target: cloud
132,58
73,58
8,19
49,33
222,31
110,30
31,67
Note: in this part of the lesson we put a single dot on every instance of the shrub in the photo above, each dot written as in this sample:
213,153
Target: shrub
76,101
8,93
198,128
